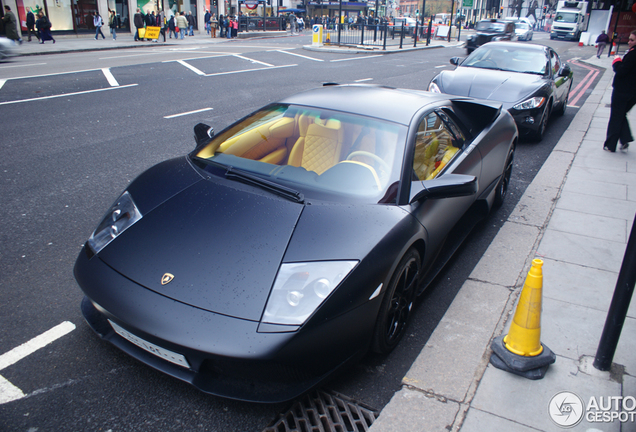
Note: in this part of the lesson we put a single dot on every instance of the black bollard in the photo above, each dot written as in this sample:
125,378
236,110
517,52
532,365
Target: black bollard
618,308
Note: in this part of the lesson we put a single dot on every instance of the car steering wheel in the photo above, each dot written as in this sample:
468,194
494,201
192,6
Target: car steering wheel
375,157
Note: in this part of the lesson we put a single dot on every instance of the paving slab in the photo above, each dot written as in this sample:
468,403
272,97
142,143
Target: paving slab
582,250
414,411
586,224
525,402
535,206
446,365
505,258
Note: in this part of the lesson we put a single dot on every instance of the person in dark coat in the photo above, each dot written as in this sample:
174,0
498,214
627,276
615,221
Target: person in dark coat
10,25
623,98
601,41
44,27
138,20
30,23
172,27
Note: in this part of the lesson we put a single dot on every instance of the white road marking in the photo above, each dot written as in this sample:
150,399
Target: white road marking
187,113
2,81
110,78
9,392
252,60
250,70
66,94
298,55
364,79
22,65
357,58
192,68
440,66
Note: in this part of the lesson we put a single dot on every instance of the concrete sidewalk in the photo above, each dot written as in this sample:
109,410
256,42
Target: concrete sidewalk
87,42
576,216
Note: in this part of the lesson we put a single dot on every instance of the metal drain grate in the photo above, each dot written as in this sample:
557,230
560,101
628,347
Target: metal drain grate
324,411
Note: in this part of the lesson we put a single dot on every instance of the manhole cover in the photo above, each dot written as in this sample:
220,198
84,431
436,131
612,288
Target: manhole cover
324,411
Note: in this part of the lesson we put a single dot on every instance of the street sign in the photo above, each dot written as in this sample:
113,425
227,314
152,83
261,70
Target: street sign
468,4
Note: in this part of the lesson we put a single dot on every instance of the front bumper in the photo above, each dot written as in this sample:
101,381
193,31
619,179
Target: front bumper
528,121
227,356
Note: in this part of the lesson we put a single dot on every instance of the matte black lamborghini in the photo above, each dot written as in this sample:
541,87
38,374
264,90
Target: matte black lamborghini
530,80
296,239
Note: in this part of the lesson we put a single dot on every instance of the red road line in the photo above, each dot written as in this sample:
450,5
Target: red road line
585,83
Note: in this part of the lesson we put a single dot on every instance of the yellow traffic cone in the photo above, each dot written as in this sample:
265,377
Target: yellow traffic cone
521,351
524,337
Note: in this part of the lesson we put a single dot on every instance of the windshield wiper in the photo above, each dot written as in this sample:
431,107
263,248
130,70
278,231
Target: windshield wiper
285,192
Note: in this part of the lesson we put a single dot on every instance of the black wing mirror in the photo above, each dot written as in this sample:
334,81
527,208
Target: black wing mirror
203,134
565,71
455,61
447,186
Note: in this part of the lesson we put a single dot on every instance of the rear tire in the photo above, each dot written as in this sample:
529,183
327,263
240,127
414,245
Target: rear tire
504,182
395,310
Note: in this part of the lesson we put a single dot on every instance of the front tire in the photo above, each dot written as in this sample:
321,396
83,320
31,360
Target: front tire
538,135
397,303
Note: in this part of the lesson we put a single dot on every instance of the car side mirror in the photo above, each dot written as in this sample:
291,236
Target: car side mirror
203,134
455,61
447,186
565,71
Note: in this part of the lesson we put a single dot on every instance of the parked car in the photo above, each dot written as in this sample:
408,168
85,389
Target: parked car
530,80
490,30
523,31
296,239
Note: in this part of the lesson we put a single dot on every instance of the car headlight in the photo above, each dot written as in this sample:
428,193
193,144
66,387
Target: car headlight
121,216
433,87
534,102
301,287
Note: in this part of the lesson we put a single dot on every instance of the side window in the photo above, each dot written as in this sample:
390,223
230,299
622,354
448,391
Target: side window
555,63
434,147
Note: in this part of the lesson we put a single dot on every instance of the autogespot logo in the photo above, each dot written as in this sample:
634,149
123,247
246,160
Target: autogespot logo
566,409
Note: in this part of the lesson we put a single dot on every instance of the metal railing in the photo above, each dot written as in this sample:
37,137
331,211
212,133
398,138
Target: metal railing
377,36
247,24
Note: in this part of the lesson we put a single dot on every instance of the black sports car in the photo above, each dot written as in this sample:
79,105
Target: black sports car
296,239
490,30
530,80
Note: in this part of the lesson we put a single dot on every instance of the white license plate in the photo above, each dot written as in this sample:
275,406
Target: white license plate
165,354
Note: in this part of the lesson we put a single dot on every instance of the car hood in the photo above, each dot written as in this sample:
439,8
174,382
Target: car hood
222,242
506,87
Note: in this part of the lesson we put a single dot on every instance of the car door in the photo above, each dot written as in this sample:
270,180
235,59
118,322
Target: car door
439,148
561,83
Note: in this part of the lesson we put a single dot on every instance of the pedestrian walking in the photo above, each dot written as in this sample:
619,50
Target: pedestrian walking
98,23
10,25
623,98
206,20
30,23
44,27
113,23
138,20
182,23
172,27
601,41
191,23
235,26
214,24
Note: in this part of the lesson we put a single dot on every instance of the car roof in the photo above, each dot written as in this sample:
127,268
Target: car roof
392,104
516,45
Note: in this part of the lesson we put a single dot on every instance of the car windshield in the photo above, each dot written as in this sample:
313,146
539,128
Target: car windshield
521,26
567,17
313,150
490,26
513,59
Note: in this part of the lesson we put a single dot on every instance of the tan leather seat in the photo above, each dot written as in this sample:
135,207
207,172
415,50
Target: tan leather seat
319,149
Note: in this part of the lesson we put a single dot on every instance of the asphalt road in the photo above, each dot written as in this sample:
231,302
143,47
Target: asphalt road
74,136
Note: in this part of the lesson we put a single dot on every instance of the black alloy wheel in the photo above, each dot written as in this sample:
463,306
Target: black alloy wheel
504,182
538,135
561,111
397,303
